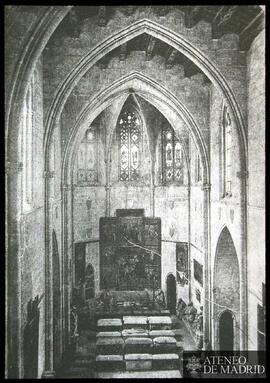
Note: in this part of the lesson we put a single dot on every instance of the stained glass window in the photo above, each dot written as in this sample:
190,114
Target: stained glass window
87,159
227,152
130,139
172,157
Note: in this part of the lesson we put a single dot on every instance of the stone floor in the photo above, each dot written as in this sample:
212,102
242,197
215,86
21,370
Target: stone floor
83,362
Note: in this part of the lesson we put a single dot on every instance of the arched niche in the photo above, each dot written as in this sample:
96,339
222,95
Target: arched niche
226,330
226,291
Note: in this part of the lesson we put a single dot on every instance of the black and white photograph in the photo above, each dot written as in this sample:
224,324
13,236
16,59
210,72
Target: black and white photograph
135,191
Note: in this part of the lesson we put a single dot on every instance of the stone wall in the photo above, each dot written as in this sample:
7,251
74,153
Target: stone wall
226,287
64,52
193,92
31,220
89,202
256,182
225,211
197,208
171,204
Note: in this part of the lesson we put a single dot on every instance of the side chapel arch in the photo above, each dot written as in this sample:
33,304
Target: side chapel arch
226,288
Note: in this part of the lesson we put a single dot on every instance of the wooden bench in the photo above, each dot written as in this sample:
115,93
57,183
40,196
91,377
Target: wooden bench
164,344
109,334
132,322
110,346
157,333
165,362
138,345
138,362
109,324
110,363
160,323
135,333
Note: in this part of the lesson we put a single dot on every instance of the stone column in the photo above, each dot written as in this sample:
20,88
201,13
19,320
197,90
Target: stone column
152,190
108,196
207,314
189,238
108,186
66,198
243,175
13,315
49,368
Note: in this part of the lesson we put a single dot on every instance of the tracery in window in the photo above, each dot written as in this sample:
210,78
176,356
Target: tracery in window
227,153
172,157
87,159
129,130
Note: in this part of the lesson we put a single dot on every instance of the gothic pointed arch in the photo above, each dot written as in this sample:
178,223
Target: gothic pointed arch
159,32
226,290
152,92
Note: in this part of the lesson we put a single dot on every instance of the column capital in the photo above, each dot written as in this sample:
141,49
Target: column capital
13,167
66,187
206,187
48,174
242,174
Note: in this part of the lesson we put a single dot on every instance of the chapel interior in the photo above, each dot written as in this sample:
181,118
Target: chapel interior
134,187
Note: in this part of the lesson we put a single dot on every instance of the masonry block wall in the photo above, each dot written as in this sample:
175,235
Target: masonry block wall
223,52
196,224
193,92
166,198
225,211
31,220
244,74
16,37
256,181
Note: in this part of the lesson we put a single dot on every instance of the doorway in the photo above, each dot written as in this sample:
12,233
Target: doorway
171,293
226,333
